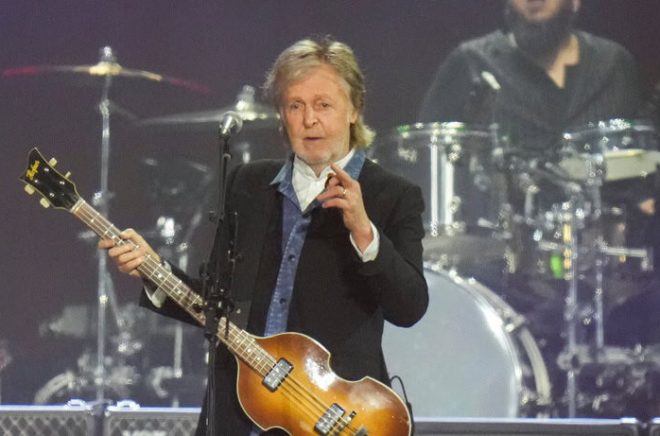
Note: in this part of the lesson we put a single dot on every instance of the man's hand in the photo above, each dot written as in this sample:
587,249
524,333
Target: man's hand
345,194
129,257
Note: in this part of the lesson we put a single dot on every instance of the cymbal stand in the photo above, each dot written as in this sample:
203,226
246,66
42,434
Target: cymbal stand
105,291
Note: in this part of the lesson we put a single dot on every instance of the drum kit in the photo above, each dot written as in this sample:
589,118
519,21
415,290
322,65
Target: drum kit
525,258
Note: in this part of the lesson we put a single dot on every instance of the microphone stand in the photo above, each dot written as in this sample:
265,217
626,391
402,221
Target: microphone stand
218,304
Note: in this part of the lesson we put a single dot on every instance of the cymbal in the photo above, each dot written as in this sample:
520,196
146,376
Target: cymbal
106,67
255,113
213,117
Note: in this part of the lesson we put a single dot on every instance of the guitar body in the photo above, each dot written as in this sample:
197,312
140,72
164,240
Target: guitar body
379,411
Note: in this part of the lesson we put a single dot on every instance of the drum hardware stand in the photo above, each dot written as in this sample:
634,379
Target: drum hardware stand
105,289
594,183
569,254
571,217
101,200
167,231
571,221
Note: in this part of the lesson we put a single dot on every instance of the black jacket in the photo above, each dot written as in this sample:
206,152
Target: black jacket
337,300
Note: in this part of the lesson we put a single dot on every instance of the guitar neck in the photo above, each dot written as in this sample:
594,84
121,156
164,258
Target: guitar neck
238,341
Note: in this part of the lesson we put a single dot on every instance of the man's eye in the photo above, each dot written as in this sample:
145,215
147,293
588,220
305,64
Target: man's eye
294,106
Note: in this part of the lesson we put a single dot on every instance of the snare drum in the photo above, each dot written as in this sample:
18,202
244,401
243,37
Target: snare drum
610,150
469,356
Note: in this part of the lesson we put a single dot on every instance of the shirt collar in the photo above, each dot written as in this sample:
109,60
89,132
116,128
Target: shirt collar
351,163
303,170
298,182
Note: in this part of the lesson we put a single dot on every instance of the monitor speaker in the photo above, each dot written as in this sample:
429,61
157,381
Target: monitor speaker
526,427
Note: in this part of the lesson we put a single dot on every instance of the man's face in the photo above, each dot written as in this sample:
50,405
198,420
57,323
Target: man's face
538,11
317,114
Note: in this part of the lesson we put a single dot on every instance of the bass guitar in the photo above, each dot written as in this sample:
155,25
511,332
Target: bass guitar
284,381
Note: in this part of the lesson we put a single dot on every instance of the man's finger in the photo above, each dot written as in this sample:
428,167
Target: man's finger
344,178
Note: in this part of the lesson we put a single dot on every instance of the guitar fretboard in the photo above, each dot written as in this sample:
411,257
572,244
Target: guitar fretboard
239,342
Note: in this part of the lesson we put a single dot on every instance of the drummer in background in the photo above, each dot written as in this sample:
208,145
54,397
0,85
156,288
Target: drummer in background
539,78
553,78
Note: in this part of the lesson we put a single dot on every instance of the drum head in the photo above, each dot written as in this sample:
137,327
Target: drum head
459,360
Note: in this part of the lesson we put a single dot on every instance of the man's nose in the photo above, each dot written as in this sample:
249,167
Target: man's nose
310,118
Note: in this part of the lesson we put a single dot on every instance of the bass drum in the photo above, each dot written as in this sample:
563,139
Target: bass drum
469,356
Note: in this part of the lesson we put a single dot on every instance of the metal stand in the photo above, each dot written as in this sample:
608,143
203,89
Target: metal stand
585,206
571,311
178,253
105,293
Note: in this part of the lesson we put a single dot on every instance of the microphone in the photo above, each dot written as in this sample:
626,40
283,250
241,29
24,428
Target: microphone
230,124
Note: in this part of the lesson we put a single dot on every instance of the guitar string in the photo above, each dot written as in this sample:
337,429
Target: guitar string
96,222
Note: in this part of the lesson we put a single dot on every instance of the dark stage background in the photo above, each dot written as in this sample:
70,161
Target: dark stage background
46,265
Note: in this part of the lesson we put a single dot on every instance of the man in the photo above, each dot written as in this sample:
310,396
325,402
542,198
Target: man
552,77
329,243
537,80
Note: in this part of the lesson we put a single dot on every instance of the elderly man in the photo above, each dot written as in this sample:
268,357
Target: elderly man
329,242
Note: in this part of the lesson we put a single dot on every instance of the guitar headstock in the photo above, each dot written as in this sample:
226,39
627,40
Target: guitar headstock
41,176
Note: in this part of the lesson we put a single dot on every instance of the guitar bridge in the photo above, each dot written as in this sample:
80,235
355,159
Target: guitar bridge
331,423
277,374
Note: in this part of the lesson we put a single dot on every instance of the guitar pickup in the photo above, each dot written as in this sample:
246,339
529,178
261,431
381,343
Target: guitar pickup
277,374
332,422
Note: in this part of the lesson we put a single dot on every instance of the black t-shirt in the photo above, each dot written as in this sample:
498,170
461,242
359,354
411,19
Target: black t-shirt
531,110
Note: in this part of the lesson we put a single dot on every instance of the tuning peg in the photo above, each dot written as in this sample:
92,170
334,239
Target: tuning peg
67,175
52,162
29,189
44,203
